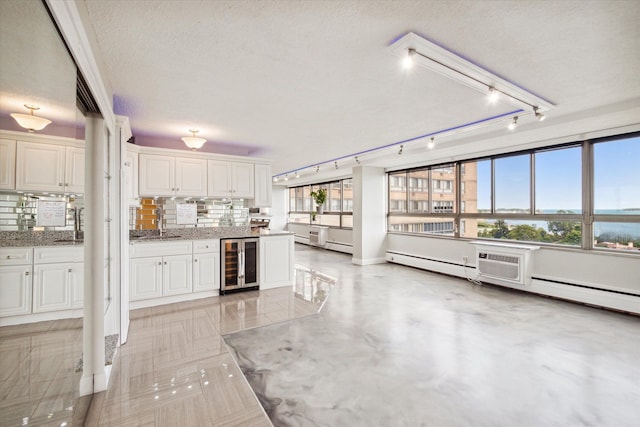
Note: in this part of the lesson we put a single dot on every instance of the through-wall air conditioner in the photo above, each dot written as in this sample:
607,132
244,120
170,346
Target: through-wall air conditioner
318,235
504,263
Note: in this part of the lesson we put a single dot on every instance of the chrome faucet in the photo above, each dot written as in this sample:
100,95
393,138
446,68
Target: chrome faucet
77,223
160,221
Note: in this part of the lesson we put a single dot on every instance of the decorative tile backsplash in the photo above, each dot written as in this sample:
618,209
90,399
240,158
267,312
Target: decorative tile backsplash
210,213
18,212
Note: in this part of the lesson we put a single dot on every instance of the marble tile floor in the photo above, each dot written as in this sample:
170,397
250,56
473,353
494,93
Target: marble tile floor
175,369
38,380
396,346
392,346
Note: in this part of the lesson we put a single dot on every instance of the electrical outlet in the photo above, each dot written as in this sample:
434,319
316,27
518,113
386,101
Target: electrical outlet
465,259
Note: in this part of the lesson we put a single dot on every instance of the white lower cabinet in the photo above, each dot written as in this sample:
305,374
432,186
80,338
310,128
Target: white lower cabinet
160,269
15,290
176,275
277,261
146,278
51,287
206,272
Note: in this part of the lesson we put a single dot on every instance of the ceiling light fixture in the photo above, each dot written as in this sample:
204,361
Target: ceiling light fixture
514,123
538,114
357,160
275,179
297,175
286,177
400,151
410,60
194,142
29,121
336,164
317,168
431,143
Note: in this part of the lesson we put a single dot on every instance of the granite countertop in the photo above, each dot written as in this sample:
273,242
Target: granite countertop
38,242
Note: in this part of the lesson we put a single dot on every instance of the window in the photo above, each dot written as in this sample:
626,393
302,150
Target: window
338,207
534,196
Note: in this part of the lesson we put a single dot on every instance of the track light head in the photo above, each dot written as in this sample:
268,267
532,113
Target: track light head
297,175
431,143
400,151
275,179
538,114
357,160
410,60
514,123
317,168
335,164
286,177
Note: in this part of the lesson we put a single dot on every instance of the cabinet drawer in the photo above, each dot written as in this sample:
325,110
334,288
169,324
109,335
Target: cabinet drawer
141,250
203,246
58,254
16,256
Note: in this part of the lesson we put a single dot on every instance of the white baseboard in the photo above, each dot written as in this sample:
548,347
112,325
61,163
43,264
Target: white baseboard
368,261
133,305
40,317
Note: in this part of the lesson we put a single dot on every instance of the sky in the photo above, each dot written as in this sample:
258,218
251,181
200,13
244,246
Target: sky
558,178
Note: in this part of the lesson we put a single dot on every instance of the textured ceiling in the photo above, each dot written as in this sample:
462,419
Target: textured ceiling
303,82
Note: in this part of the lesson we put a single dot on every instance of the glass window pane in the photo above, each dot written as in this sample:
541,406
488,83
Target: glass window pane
616,182
512,184
476,186
347,195
556,232
347,221
419,191
305,199
334,195
299,218
292,199
422,225
559,181
622,236
444,189
398,192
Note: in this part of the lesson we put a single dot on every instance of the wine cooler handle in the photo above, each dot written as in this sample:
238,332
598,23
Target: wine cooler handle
241,267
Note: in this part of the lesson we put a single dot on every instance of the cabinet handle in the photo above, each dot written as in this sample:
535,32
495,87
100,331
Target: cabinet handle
70,271
195,260
26,273
165,263
66,184
60,184
9,256
159,262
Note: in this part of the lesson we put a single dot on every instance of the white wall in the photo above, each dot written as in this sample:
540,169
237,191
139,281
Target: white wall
279,208
591,269
369,215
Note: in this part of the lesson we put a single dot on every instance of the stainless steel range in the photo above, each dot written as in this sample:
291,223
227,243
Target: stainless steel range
239,264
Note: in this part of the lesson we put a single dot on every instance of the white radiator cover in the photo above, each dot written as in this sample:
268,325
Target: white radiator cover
504,263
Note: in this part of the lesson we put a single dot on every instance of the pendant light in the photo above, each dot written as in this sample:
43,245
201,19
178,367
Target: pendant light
29,121
194,142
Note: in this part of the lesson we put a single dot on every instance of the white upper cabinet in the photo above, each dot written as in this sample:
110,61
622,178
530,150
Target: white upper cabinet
7,164
262,188
130,169
191,177
157,175
230,179
172,176
46,167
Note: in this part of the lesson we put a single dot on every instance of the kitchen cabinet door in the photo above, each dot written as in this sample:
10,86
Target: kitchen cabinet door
219,178
157,175
277,261
176,274
15,290
191,177
145,278
206,272
40,167
76,283
262,186
131,178
242,180
7,164
74,170
51,287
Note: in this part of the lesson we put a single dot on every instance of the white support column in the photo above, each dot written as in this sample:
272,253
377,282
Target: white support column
93,375
369,215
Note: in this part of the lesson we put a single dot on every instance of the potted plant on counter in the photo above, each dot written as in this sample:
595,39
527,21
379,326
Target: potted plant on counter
320,197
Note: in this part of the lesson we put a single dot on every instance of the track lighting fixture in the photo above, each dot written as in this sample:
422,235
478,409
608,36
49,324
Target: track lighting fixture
514,123
494,94
400,151
317,168
357,160
335,164
431,143
286,177
538,114
409,61
275,179
297,175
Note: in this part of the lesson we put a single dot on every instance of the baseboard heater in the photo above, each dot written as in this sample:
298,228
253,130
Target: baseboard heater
427,259
577,285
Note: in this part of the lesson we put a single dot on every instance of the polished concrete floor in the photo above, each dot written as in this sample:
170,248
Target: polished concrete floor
392,346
